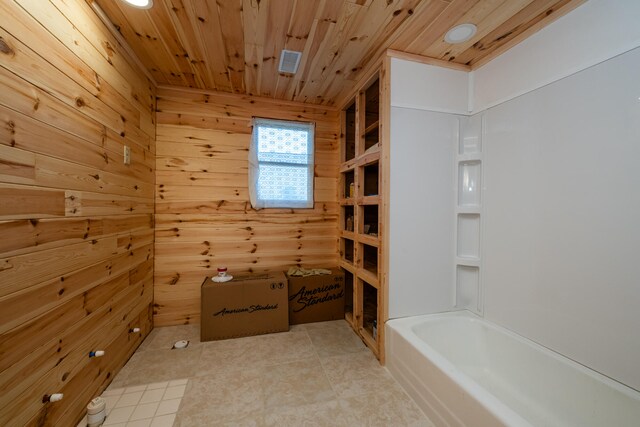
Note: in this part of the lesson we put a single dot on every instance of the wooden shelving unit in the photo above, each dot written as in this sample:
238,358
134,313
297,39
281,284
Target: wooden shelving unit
361,216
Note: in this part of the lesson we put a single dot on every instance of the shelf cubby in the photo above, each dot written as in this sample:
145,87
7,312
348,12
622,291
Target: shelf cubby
348,294
347,218
371,137
468,236
370,180
349,146
369,308
370,218
469,183
347,250
467,287
470,142
369,258
372,104
348,179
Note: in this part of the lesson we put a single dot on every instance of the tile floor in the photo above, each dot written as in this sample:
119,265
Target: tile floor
317,374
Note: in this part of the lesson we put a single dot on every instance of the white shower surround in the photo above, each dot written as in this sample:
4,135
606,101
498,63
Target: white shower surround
576,295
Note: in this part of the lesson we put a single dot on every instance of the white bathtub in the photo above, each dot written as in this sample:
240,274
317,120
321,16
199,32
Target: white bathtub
465,371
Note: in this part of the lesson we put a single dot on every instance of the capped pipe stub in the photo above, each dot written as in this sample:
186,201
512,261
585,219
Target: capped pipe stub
181,344
55,397
96,412
96,405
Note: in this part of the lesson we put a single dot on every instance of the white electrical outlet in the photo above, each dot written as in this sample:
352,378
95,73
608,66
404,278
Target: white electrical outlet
127,155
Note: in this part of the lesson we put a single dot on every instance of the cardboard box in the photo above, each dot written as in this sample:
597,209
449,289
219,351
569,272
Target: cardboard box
316,298
244,306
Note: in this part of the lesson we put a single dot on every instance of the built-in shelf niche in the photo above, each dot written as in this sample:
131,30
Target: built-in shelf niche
348,293
369,308
369,223
349,146
372,103
468,236
347,250
348,184
469,173
369,258
470,142
467,287
348,218
370,179
371,137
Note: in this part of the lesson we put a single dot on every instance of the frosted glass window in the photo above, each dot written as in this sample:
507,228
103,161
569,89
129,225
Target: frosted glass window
281,164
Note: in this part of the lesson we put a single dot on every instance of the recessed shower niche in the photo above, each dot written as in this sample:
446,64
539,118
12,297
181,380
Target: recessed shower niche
468,236
471,140
469,173
467,287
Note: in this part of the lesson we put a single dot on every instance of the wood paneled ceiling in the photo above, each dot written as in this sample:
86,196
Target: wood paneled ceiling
235,45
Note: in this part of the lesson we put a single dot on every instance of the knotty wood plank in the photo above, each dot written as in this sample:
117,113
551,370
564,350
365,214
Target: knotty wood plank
151,55
194,233
21,131
123,75
20,23
205,18
301,26
209,248
230,21
19,59
23,201
22,271
84,203
26,304
212,104
88,39
23,167
278,17
254,15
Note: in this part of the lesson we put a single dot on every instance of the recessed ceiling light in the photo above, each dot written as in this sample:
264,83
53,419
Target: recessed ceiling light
140,4
460,33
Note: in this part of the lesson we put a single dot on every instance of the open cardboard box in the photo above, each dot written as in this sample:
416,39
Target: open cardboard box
316,298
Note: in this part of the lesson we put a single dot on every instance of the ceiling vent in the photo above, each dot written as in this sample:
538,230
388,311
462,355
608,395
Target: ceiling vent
289,61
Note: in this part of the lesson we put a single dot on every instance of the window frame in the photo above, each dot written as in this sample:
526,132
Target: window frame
255,163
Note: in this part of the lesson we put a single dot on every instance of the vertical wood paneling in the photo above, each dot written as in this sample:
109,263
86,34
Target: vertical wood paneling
203,215
76,224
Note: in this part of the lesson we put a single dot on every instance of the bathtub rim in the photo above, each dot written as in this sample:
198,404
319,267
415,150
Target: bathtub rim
404,328
495,406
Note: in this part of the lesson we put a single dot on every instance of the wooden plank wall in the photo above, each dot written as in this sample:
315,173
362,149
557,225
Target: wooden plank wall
76,224
203,215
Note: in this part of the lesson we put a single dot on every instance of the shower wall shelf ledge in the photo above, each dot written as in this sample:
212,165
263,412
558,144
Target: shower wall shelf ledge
473,157
469,262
